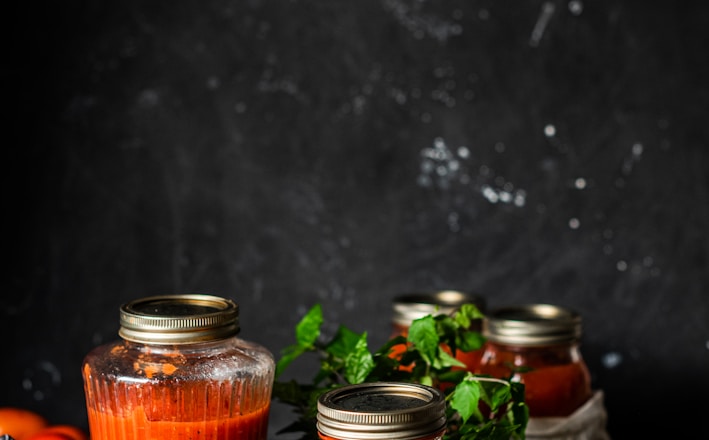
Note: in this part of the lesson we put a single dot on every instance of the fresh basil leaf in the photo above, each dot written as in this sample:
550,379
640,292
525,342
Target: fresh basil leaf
308,329
466,399
307,332
452,376
445,360
519,413
492,431
288,355
424,337
499,396
466,314
359,363
330,368
468,340
343,343
517,391
446,327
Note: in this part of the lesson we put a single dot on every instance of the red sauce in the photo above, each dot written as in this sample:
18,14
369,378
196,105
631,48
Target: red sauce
173,415
151,400
137,426
556,379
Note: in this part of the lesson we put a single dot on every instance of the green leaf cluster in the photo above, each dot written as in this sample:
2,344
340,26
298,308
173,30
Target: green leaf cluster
478,407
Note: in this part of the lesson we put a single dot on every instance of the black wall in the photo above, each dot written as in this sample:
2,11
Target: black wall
341,152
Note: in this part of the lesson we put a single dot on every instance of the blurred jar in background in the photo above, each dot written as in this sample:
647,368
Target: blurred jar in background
179,372
409,307
538,345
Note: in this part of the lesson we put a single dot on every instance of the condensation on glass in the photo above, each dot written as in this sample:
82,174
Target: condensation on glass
179,371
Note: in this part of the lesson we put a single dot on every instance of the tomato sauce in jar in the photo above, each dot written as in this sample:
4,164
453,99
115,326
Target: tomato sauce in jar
179,373
409,307
382,410
538,345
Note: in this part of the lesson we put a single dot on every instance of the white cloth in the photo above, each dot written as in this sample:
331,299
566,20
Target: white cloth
586,423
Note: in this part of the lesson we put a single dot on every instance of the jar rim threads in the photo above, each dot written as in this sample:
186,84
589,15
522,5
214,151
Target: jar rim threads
532,325
178,319
381,410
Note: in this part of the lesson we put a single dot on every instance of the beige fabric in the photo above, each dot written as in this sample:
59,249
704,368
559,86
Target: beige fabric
587,423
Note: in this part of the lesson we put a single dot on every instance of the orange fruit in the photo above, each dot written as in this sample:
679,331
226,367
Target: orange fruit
59,432
20,423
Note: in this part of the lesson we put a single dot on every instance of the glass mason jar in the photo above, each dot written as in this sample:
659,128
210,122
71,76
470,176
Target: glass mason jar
409,307
382,410
538,345
179,372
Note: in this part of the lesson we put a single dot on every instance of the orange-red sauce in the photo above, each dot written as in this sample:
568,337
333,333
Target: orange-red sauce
178,411
557,381
136,425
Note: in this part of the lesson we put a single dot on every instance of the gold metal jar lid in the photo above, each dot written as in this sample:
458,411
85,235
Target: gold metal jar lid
381,410
532,325
412,306
178,319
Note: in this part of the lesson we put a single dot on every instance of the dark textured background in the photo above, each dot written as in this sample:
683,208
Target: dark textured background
341,152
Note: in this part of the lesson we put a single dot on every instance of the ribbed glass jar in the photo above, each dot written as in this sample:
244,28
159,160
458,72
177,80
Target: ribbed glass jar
382,410
179,372
538,345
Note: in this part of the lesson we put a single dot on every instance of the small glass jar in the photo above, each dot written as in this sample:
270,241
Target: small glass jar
179,372
409,307
538,345
382,410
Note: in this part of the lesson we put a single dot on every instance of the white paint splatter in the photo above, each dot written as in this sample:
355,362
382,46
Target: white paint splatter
422,25
541,24
549,130
636,152
41,379
611,359
440,165
576,7
637,149
443,167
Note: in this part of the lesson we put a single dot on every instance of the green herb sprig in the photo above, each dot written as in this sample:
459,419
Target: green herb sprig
478,407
